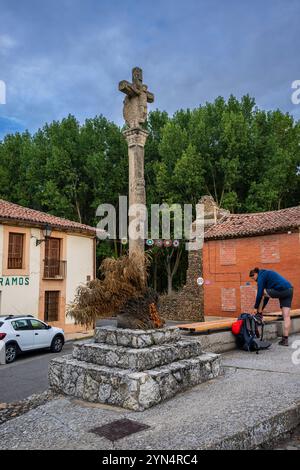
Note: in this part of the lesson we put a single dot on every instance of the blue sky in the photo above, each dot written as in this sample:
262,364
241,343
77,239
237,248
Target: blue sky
67,56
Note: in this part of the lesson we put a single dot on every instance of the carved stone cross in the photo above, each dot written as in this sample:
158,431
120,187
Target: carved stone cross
135,114
137,97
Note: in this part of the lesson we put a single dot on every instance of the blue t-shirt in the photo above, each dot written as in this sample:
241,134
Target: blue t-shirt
269,280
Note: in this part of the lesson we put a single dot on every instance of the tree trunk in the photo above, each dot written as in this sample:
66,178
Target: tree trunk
169,271
116,249
176,265
78,211
155,273
170,283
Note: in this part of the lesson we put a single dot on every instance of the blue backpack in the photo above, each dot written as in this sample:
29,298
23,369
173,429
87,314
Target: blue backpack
249,338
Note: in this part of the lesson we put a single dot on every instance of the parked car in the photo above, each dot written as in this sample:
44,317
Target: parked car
23,333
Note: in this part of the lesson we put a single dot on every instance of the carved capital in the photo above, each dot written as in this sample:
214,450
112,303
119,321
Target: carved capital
136,137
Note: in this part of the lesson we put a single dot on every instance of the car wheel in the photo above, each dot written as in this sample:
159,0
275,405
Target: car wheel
57,344
11,353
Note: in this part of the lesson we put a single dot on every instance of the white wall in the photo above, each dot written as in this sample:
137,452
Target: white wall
80,264
20,300
1,248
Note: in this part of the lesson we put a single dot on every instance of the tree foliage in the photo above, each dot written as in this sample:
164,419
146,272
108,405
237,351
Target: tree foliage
248,159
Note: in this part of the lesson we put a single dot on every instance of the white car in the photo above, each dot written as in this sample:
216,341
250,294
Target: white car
26,333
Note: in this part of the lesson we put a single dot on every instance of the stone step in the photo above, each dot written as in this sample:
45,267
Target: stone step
132,390
136,359
136,338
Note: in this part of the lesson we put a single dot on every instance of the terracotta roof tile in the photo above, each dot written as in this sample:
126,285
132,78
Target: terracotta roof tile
260,223
14,212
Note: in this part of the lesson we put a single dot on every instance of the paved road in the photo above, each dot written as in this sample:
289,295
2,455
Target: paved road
27,375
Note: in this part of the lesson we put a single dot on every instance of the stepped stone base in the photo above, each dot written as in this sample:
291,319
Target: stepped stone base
136,359
136,338
135,377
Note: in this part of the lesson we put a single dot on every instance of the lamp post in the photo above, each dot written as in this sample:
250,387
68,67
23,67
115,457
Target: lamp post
47,231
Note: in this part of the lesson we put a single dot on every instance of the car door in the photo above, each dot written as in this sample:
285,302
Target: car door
23,334
41,334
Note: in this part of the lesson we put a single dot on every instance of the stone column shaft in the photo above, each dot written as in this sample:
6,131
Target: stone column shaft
136,139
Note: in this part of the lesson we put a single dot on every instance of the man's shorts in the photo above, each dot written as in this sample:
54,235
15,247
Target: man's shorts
285,296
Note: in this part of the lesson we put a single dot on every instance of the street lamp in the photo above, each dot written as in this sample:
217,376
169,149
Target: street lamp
47,231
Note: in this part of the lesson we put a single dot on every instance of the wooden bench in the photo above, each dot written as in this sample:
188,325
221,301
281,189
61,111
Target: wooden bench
293,314
217,325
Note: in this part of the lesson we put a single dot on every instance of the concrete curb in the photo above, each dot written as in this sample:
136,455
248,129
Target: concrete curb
224,341
263,435
79,339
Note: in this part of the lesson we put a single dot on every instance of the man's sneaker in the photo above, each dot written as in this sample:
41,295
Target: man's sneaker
284,342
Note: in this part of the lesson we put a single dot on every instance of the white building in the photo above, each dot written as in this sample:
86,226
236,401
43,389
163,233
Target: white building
43,259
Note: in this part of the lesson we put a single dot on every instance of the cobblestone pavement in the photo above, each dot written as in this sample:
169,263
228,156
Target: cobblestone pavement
292,443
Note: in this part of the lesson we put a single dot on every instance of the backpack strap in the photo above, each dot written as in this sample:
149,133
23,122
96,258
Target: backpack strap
259,321
262,330
253,326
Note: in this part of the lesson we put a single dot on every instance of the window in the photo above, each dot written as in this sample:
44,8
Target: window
52,258
38,325
15,250
51,305
21,325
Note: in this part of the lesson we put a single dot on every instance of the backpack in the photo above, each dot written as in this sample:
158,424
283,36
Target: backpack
246,331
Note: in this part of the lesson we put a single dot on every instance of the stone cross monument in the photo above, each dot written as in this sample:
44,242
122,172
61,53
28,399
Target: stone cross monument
135,114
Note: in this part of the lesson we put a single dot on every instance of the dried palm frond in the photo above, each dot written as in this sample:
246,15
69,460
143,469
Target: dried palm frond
122,279
141,312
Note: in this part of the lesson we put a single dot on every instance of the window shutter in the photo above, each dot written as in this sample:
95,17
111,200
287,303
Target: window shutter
15,250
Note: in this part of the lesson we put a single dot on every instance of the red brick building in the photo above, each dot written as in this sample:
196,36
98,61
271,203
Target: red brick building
240,242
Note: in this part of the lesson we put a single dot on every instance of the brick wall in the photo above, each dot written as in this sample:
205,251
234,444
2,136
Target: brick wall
222,279
270,250
228,299
227,252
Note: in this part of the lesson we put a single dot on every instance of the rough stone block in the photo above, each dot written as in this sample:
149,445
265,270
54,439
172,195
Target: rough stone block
132,390
136,338
132,368
133,358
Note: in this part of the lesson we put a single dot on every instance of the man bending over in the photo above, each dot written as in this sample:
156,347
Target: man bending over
272,284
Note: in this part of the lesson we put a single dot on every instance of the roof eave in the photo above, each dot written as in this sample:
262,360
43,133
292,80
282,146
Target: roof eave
252,234
27,223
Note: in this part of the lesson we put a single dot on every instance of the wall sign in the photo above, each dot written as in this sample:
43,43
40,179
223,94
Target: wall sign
14,281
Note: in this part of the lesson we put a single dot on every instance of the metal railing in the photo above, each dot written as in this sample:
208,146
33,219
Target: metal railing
54,269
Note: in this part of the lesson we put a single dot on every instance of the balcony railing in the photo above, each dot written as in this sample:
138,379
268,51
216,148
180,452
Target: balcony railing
55,269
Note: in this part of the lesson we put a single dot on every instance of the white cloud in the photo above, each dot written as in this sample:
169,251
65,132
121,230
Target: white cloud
6,43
